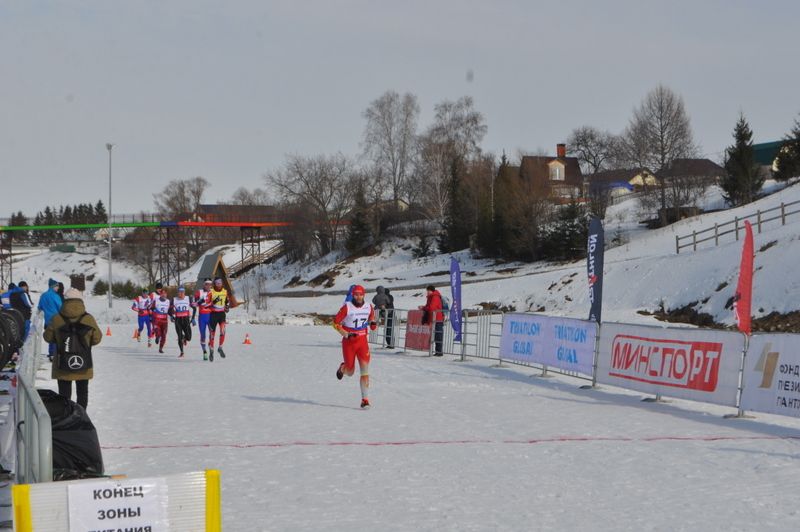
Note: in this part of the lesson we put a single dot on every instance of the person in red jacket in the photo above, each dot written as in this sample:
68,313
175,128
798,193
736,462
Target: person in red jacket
351,322
433,313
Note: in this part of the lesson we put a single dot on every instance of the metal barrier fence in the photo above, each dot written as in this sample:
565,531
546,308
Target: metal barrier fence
33,425
481,331
481,334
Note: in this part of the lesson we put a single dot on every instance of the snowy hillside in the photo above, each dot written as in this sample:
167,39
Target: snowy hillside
643,274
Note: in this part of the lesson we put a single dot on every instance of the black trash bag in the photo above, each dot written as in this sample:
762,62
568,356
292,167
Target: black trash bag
76,449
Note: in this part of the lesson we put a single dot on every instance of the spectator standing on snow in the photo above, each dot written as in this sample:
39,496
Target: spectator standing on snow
50,303
21,300
384,303
351,322
433,313
74,331
60,291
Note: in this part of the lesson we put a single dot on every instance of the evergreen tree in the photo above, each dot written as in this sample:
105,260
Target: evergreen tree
359,234
100,214
49,216
67,217
456,229
788,159
566,237
18,219
38,236
742,180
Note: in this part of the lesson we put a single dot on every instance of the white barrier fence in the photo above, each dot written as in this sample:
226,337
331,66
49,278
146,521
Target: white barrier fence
34,461
706,365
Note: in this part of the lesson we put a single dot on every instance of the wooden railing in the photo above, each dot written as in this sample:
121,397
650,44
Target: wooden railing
237,267
717,233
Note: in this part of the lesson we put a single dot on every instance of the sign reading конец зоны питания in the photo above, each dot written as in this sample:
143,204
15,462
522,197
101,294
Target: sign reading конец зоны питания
138,504
563,343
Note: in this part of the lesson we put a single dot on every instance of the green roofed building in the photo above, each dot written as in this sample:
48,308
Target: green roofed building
766,152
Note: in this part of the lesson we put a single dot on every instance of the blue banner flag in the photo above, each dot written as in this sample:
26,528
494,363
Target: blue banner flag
594,268
455,290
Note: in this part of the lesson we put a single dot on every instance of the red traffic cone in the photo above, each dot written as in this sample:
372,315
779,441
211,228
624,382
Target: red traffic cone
108,331
247,340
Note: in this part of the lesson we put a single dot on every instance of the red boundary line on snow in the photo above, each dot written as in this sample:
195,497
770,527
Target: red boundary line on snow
560,439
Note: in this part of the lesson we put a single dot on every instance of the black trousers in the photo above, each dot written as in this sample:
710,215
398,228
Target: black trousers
183,326
388,327
81,390
438,336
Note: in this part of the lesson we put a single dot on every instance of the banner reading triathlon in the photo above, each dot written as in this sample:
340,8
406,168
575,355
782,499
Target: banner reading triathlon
772,375
594,268
455,291
562,343
418,336
694,364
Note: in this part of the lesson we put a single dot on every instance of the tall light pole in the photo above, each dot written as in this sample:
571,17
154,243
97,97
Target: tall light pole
109,146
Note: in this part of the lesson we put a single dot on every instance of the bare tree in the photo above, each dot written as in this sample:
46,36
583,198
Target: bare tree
658,133
595,149
181,197
453,140
321,184
181,200
459,126
390,138
244,196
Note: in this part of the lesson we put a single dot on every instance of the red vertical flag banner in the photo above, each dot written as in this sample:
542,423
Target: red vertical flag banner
742,300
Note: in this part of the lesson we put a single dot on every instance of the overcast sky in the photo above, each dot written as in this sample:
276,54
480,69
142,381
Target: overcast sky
224,90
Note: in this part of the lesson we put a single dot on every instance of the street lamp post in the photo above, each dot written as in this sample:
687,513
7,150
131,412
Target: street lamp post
109,146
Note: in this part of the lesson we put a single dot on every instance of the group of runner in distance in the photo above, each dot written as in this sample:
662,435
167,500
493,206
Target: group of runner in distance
156,309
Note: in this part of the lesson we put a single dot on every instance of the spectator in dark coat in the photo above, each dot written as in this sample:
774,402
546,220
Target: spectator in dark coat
21,301
433,313
384,303
73,311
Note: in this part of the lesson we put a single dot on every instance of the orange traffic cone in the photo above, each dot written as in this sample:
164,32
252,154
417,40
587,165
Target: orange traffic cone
108,331
247,340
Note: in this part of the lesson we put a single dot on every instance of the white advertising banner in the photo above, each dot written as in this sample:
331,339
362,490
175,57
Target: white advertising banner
563,343
772,374
696,364
118,505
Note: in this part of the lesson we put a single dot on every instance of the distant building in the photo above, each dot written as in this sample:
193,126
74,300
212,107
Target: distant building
765,154
620,182
558,178
699,170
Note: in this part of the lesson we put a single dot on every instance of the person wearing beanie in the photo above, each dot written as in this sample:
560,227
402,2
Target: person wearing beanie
21,301
50,304
73,313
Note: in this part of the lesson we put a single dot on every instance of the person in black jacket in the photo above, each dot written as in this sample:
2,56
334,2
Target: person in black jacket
21,301
384,304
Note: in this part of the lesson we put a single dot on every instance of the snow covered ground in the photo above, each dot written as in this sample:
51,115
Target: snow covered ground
450,445
446,446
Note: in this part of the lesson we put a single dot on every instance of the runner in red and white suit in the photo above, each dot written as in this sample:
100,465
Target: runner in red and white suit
351,322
